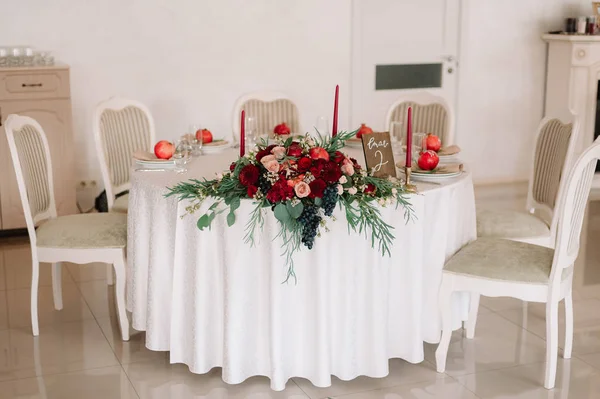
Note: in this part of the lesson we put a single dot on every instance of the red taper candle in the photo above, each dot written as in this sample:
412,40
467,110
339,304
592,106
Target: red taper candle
409,138
243,134
335,111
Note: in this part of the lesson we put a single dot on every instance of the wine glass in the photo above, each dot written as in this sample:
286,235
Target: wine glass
322,125
397,135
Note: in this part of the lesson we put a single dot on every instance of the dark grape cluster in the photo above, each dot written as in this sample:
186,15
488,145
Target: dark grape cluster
310,221
264,184
330,198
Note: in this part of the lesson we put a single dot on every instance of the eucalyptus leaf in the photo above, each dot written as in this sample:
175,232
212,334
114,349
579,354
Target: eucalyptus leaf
318,201
295,210
281,213
203,222
213,206
230,219
235,203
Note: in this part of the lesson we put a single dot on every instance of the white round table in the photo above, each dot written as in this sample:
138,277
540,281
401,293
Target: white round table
214,301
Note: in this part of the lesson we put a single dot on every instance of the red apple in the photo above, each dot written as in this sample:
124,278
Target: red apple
433,142
205,135
428,160
364,129
282,129
318,153
164,149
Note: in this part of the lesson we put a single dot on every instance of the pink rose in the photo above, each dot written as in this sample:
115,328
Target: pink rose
279,152
302,189
272,166
340,189
348,169
267,158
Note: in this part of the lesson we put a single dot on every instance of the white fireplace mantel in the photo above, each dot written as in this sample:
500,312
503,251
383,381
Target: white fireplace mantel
573,72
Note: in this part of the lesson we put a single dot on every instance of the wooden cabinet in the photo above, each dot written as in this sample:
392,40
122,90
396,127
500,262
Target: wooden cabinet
43,94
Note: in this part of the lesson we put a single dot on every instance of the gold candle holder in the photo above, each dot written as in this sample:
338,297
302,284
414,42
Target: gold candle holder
408,185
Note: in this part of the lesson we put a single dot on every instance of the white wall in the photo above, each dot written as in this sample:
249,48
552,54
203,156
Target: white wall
189,61
502,81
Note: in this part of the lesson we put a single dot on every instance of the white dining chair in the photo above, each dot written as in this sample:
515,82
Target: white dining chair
121,127
553,153
498,267
431,114
269,108
82,238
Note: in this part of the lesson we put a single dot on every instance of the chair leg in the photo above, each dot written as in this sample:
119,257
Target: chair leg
472,320
445,307
551,343
35,277
120,297
57,285
109,275
568,325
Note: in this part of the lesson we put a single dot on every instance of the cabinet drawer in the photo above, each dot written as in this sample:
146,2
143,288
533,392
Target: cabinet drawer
36,84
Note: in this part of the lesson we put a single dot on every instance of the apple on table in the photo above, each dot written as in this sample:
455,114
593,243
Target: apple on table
428,160
364,129
204,135
164,149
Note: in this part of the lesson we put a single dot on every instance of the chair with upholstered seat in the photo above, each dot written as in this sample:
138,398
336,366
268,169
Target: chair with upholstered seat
553,153
498,267
431,114
121,127
80,239
270,109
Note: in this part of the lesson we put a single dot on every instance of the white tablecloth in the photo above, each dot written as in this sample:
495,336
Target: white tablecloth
214,301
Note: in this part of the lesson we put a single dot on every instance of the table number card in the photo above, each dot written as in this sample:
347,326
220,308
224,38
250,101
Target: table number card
379,156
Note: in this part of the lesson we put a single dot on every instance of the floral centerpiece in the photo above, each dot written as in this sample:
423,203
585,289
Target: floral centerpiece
301,182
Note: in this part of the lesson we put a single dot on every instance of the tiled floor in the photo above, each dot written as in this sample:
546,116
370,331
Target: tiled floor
79,353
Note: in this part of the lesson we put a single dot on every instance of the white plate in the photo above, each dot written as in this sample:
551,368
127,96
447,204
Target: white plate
215,149
155,164
354,143
434,177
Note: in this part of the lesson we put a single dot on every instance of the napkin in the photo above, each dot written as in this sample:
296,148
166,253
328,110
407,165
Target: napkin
450,150
146,156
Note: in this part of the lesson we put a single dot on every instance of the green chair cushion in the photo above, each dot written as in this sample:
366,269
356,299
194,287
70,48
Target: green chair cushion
89,230
500,259
510,224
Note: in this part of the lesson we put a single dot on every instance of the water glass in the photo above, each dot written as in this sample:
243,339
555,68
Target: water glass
322,125
397,132
181,155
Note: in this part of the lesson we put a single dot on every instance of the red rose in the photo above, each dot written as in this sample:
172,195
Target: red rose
338,157
280,191
316,188
249,175
304,164
294,150
232,166
317,167
370,189
252,191
331,172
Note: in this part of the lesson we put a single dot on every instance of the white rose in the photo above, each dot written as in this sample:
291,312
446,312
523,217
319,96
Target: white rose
343,180
352,190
